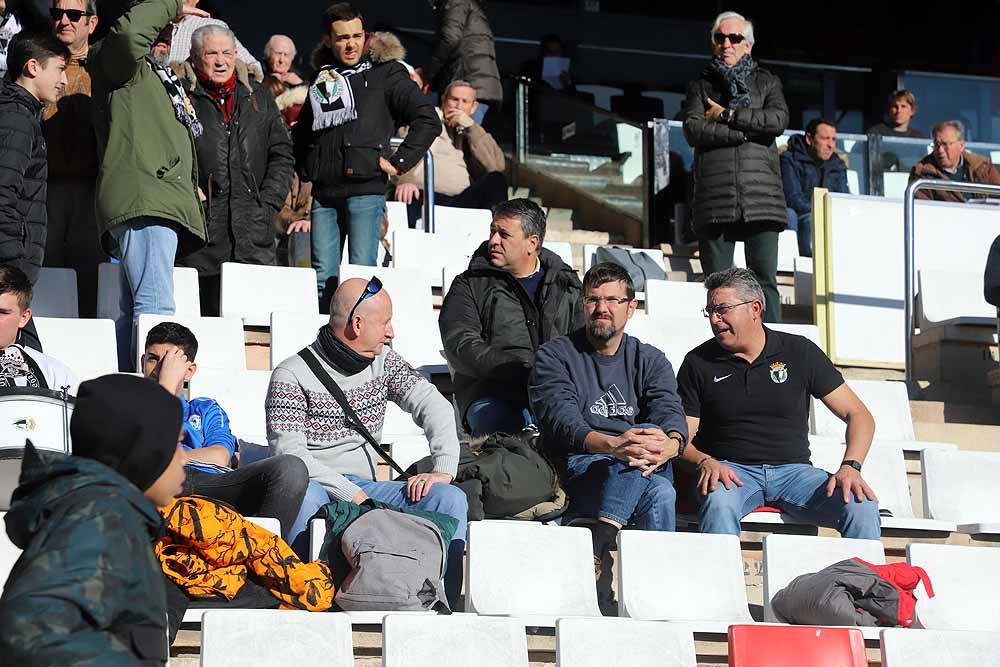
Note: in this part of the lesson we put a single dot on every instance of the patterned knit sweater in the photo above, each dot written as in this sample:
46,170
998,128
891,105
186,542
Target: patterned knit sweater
303,419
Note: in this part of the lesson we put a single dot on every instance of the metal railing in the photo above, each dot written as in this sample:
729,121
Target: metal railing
428,214
909,246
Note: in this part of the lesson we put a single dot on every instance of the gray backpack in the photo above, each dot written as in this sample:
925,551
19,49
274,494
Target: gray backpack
397,564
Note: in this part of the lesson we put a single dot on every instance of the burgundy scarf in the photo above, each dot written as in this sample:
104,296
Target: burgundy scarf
223,94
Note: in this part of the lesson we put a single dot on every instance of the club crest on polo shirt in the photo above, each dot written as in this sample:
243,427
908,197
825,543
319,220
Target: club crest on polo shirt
195,421
779,372
612,404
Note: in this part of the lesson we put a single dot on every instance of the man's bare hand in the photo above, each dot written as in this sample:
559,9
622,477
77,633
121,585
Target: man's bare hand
645,448
711,472
851,484
387,167
407,193
191,10
456,118
304,225
172,369
419,485
714,111
359,497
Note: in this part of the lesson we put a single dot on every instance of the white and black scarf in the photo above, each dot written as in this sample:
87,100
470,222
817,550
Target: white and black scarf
17,369
736,79
183,109
332,97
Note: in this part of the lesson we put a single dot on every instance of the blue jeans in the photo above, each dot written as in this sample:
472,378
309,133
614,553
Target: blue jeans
443,498
147,248
359,220
599,485
480,113
798,489
802,224
493,415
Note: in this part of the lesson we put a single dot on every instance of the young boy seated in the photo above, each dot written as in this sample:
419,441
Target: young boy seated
272,487
87,588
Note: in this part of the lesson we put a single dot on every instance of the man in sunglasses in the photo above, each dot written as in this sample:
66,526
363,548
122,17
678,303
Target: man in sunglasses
746,396
609,412
68,126
732,115
305,420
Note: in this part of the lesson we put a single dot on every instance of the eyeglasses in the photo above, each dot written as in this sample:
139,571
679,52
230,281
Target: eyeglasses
74,15
721,37
373,287
594,301
722,309
944,144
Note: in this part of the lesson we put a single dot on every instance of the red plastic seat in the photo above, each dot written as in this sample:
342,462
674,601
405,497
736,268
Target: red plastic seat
795,646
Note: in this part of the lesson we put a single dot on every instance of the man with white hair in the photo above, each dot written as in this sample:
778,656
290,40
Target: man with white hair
245,160
732,115
279,54
184,29
949,161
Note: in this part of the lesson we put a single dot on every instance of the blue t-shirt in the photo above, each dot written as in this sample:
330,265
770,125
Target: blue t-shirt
532,283
205,425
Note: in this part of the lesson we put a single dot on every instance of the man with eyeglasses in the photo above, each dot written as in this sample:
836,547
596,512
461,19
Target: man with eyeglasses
305,420
68,125
949,161
746,396
610,415
732,115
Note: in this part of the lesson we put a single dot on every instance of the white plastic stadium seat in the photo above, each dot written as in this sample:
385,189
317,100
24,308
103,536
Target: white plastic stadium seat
241,394
669,298
220,340
244,637
894,183
414,249
290,332
398,219
187,299
252,292
407,449
950,297
675,337
54,293
805,286
965,581
600,642
506,577
431,640
960,486
267,523
410,290
87,346
902,647
709,597
888,401
810,331
853,182
788,556
471,223
562,248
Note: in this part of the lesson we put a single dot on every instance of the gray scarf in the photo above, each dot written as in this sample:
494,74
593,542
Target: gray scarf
735,79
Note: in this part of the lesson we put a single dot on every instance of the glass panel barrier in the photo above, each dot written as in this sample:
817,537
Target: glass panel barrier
974,100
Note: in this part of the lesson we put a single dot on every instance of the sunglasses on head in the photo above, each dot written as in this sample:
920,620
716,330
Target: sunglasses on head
734,38
373,287
74,15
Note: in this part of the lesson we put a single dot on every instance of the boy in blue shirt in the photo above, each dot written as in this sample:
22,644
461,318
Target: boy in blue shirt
272,487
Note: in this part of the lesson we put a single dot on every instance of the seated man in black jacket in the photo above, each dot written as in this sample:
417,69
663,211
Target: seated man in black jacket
608,404
515,296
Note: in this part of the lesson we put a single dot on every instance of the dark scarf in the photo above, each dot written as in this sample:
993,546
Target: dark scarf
183,109
223,94
735,79
337,354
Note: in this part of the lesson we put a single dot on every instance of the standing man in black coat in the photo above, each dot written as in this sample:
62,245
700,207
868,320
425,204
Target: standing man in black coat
245,161
731,117
357,100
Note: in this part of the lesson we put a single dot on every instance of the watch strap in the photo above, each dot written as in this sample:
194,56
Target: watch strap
851,462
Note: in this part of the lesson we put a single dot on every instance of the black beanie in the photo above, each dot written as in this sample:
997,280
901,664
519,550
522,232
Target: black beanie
129,424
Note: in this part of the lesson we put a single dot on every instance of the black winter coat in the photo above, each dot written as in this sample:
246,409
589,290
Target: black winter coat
491,329
736,173
464,49
386,98
24,172
245,170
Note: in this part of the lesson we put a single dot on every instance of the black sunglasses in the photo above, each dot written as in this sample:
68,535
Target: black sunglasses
74,14
734,38
373,287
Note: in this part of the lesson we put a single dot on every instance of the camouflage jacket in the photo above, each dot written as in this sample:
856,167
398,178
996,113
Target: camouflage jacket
87,589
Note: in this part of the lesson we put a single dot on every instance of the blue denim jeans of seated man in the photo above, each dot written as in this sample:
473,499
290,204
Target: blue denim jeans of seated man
801,224
599,485
493,415
798,489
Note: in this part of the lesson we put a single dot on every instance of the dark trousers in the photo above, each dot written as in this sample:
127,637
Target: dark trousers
72,240
485,192
717,244
272,487
210,294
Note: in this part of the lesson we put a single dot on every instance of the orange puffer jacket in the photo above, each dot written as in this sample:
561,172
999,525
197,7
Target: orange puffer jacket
209,550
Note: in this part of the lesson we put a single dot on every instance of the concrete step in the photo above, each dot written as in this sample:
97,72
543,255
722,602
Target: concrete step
557,224
559,214
579,236
977,437
951,412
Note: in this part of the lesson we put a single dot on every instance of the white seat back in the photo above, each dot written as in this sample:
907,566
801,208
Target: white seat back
221,344
88,347
407,449
884,470
965,582
410,290
902,647
600,642
788,556
414,249
788,250
506,576
675,337
187,299
398,218
54,293
431,640
953,297
713,591
241,395
888,401
240,637
470,223
960,486
267,523
290,332
562,248
666,299
251,292
810,331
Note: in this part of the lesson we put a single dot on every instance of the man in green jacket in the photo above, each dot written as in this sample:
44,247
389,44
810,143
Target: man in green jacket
148,208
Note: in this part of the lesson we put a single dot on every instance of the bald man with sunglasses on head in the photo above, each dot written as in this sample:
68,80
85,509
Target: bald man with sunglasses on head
306,420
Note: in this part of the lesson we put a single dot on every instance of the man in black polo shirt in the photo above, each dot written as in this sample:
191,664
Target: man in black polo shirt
746,396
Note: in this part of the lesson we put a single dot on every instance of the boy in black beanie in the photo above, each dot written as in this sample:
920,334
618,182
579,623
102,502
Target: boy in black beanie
87,588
